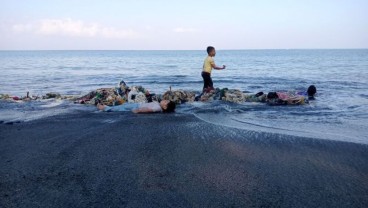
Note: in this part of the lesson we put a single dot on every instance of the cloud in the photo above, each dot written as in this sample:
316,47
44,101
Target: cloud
184,30
148,27
74,28
67,27
20,28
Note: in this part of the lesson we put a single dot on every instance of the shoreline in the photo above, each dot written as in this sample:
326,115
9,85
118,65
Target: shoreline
91,159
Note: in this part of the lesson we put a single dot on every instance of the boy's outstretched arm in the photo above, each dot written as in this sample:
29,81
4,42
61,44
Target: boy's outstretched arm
217,67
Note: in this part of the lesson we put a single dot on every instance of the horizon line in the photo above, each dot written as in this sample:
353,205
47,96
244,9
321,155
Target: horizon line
182,49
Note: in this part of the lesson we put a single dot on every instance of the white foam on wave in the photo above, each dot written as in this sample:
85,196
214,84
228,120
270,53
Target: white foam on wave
52,103
30,111
338,132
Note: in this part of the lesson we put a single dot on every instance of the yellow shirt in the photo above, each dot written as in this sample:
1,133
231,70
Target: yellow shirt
207,66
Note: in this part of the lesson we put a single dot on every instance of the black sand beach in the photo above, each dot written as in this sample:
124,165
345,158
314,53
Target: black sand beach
125,160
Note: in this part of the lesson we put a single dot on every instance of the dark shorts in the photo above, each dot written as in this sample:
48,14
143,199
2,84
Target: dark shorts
207,81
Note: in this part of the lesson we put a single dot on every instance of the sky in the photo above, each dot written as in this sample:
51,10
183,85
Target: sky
182,25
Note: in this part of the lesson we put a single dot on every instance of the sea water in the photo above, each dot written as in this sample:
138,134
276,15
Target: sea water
340,111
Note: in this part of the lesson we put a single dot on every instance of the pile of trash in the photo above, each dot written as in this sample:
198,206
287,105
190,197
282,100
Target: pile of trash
179,96
228,95
117,96
138,94
225,94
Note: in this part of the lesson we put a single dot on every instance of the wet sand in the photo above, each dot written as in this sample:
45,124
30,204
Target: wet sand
125,160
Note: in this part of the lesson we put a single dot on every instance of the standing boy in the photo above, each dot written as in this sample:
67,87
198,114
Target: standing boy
208,65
